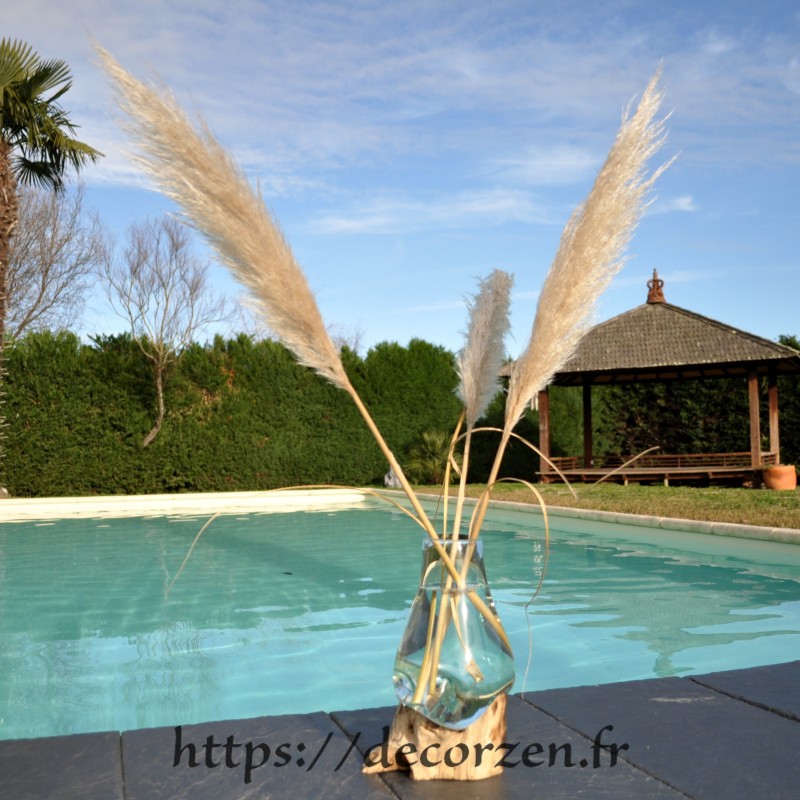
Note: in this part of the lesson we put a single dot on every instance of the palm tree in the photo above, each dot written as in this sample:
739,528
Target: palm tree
427,460
36,144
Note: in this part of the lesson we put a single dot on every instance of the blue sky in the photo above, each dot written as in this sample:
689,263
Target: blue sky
409,148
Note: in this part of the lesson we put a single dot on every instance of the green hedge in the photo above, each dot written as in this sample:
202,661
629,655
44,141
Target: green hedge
242,415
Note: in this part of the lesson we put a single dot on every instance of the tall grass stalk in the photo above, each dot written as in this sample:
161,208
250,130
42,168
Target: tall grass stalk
480,361
478,366
591,251
190,166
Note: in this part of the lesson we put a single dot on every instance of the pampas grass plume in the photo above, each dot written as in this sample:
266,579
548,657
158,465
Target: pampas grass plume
479,363
190,166
590,253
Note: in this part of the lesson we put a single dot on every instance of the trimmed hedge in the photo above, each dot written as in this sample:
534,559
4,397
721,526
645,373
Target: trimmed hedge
242,415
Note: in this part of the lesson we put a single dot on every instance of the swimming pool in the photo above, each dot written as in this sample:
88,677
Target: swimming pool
303,611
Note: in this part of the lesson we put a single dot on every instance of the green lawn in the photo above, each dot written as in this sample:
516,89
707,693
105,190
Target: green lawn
716,504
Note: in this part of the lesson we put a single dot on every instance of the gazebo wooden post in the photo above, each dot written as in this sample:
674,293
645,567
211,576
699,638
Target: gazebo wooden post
587,423
543,402
774,427
755,423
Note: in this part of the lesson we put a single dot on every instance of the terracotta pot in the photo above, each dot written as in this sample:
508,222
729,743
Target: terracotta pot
781,476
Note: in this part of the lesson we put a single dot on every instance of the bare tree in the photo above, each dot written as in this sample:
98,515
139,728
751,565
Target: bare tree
247,319
54,254
161,288
350,336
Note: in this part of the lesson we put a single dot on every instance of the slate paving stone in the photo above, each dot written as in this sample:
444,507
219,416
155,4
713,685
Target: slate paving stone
81,767
527,726
703,743
726,735
775,687
293,756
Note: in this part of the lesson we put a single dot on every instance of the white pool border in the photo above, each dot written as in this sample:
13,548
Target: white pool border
190,504
207,503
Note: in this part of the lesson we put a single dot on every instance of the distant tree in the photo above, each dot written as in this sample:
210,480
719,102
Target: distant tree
36,144
54,254
162,290
566,421
393,378
519,460
790,341
349,336
789,400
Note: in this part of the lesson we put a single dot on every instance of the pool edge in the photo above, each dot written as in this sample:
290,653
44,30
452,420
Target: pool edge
732,529
200,503
29,509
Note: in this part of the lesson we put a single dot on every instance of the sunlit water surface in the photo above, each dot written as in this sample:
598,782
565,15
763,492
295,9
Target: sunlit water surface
298,612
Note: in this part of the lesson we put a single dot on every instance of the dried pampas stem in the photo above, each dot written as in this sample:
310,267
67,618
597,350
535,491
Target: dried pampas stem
479,363
478,366
590,253
190,166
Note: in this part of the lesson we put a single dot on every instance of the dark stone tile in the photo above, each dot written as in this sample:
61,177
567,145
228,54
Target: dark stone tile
775,687
701,742
81,767
526,726
294,756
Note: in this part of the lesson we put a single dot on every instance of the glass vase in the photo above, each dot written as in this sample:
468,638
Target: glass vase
454,658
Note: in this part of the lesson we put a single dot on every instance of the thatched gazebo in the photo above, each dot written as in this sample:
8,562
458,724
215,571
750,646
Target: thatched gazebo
658,341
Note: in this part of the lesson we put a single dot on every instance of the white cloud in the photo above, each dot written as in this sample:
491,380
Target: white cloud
466,209
715,44
305,92
683,203
552,165
791,75
320,85
690,276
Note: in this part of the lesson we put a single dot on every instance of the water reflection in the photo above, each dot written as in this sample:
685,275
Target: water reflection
300,612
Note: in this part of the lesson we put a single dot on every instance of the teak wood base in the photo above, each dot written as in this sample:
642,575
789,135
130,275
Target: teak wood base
431,752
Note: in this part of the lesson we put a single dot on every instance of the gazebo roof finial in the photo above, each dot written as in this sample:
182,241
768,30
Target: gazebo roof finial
656,289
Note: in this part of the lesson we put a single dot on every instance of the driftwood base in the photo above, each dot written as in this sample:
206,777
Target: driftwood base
431,752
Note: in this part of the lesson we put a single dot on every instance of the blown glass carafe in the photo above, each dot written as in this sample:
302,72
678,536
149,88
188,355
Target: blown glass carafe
454,658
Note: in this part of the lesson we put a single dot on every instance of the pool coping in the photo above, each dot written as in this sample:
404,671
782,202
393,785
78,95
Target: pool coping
180,503
736,530
200,503
787,535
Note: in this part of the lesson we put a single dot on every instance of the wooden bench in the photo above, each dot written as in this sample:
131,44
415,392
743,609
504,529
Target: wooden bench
658,467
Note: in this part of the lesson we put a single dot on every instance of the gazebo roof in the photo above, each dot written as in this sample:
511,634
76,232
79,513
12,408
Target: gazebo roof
660,341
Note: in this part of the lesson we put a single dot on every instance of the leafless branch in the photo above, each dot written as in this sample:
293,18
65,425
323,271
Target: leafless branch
55,251
161,289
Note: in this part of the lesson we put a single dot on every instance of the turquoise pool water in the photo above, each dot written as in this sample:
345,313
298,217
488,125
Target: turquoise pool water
297,612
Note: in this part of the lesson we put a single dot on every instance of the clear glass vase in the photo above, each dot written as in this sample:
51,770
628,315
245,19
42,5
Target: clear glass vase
454,658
